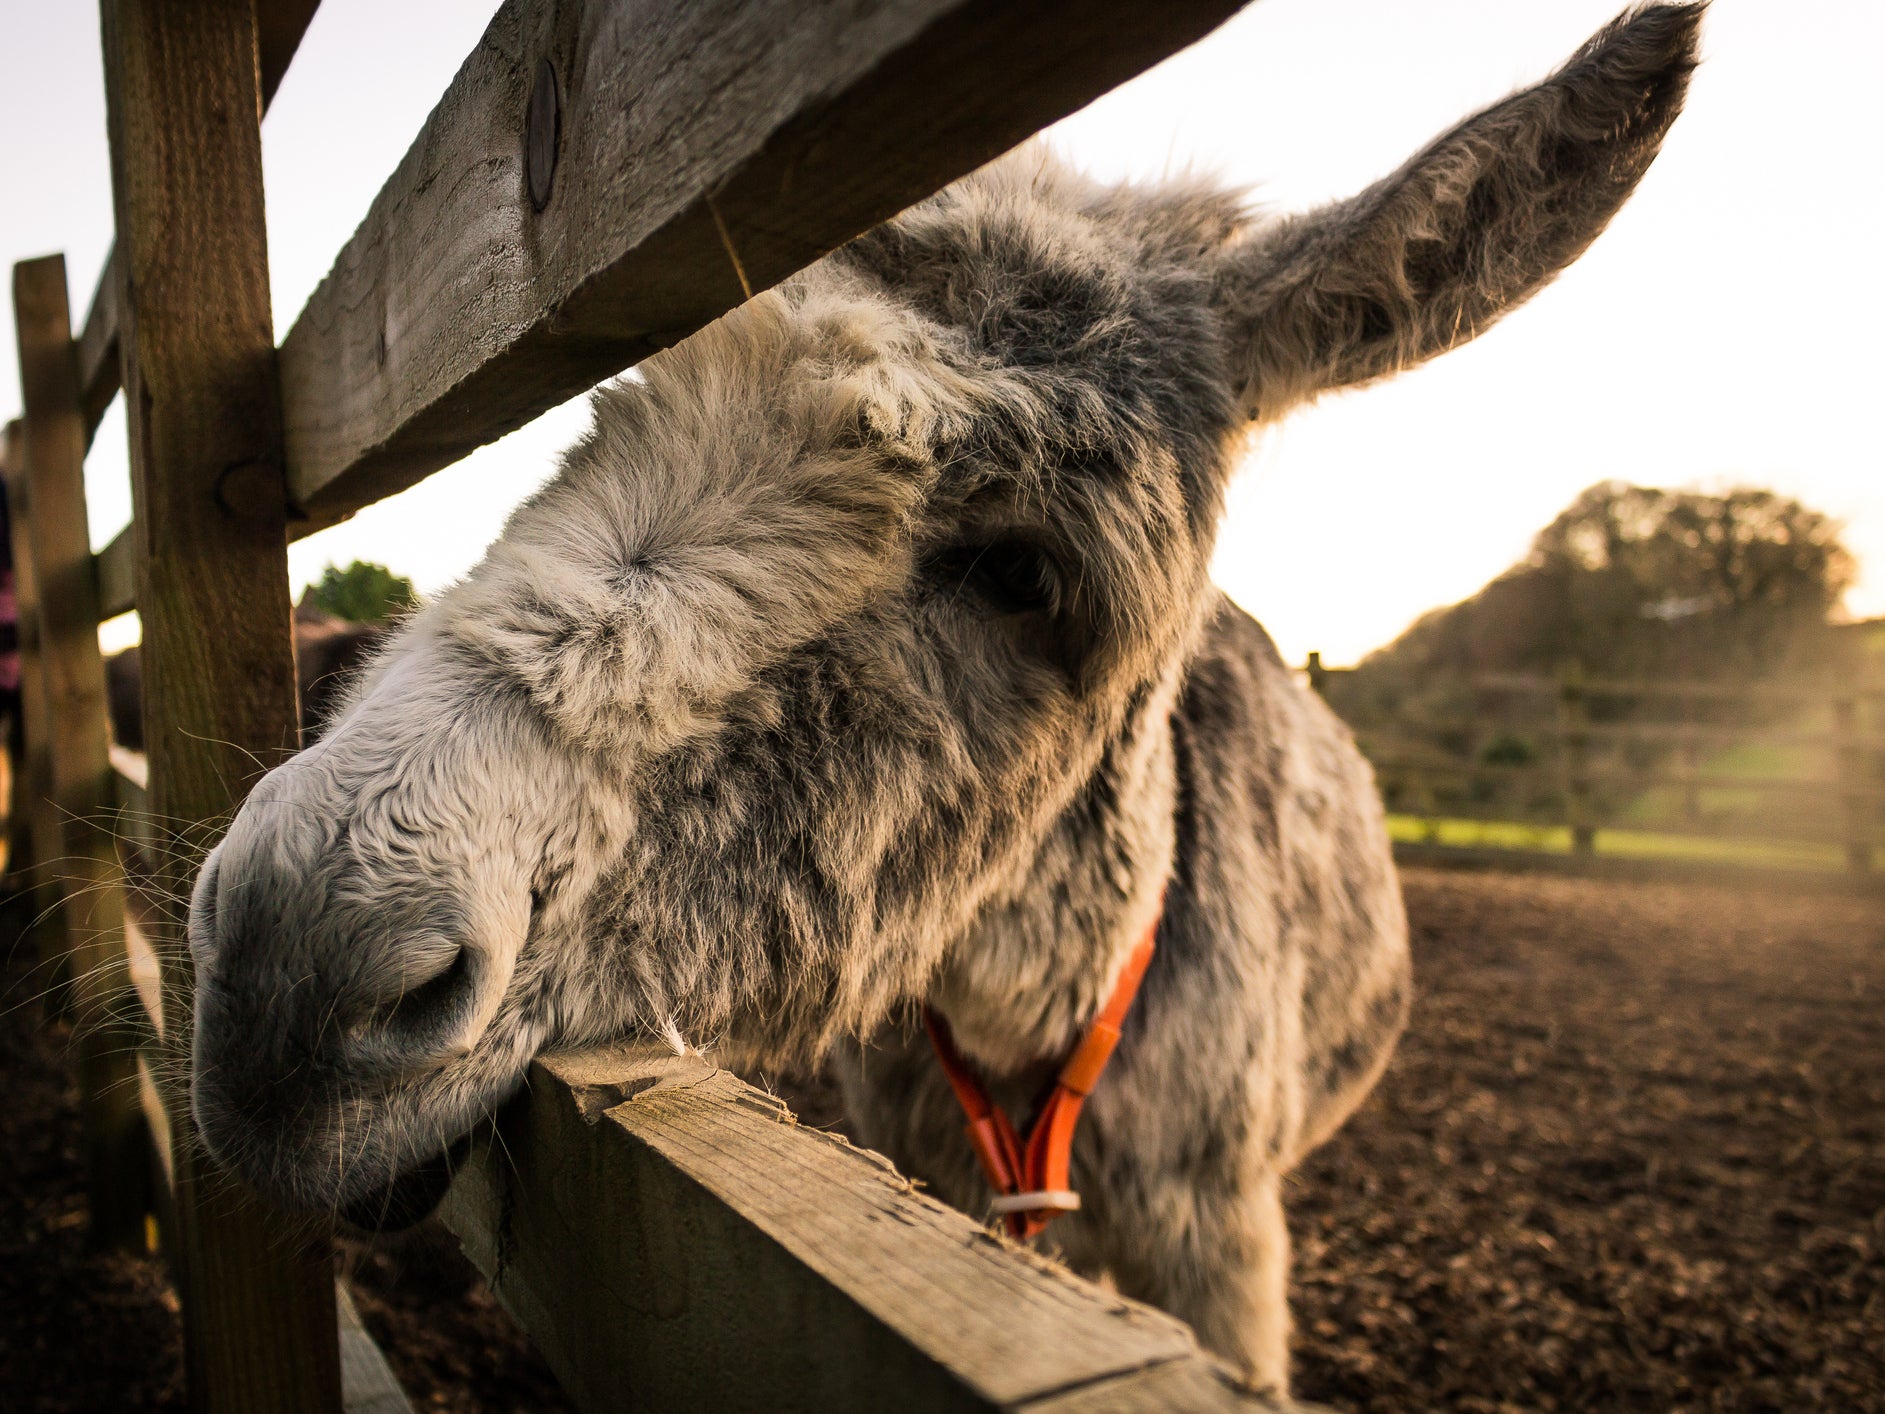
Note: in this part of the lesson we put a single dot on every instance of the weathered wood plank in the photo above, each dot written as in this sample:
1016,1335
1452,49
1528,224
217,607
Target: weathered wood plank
1547,685
368,1385
117,575
134,775
1194,1386
72,672
279,24
147,977
279,27
1629,782
97,350
454,226
681,133
156,1113
183,107
1830,879
138,841
671,1239
33,823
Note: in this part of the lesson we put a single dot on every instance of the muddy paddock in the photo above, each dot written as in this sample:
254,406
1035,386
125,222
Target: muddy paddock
1630,1156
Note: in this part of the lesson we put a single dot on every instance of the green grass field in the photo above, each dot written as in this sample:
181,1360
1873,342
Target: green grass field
1624,844
1660,809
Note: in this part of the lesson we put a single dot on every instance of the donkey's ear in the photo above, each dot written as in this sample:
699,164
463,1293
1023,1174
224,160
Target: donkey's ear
1468,229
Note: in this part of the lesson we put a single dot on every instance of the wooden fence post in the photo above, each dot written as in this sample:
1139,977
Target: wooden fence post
1850,755
1429,799
1691,765
90,881
32,826
1573,729
183,104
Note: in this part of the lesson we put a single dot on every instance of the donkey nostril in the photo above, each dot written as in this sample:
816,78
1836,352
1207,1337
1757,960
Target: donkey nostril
422,1027
430,1000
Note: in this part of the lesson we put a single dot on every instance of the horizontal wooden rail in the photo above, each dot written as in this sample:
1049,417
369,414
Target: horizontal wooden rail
138,845
96,349
1726,735
680,152
1736,874
1547,774
367,1382
279,26
1828,832
134,775
458,311
117,576
1721,734
130,774
640,1203
1651,687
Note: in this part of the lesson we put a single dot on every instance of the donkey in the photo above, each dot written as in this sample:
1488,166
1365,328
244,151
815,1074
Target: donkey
862,657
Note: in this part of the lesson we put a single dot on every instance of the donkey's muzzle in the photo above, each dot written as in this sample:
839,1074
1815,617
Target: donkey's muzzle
409,1198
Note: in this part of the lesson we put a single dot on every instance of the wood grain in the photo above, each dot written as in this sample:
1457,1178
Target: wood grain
672,1239
458,311
203,407
280,25
71,674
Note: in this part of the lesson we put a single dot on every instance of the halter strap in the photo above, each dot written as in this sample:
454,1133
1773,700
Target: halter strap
1030,1179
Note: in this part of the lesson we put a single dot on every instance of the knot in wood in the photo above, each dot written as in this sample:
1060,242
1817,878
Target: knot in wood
252,490
542,127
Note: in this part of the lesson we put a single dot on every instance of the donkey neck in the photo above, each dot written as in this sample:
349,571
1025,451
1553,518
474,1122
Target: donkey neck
1023,982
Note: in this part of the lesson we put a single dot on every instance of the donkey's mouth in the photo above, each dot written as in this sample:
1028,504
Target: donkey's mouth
409,1197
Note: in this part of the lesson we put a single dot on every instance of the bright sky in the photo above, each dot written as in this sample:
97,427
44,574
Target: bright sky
1723,330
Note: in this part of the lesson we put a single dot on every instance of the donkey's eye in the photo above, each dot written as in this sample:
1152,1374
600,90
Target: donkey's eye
1010,576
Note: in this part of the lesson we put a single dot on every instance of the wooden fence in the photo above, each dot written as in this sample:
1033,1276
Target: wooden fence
1667,764
601,179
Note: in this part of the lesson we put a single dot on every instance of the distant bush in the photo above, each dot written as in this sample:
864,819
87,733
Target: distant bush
1508,750
362,592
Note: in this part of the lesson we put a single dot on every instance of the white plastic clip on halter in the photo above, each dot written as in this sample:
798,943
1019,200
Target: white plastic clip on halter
1059,1200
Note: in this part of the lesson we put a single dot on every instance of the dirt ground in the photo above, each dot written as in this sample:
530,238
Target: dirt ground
1630,1156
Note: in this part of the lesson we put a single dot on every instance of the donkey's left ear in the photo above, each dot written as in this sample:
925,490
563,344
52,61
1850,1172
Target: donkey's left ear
1468,229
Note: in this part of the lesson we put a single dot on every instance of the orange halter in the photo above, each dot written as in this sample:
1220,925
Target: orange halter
1031,1182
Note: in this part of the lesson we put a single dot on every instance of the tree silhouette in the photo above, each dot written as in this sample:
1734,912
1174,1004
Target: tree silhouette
1634,580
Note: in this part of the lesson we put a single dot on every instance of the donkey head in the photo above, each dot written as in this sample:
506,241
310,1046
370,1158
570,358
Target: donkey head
822,628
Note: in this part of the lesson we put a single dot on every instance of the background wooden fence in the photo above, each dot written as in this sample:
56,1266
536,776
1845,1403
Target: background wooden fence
601,179
1788,774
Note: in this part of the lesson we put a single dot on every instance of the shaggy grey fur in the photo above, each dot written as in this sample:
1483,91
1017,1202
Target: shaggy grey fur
864,654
